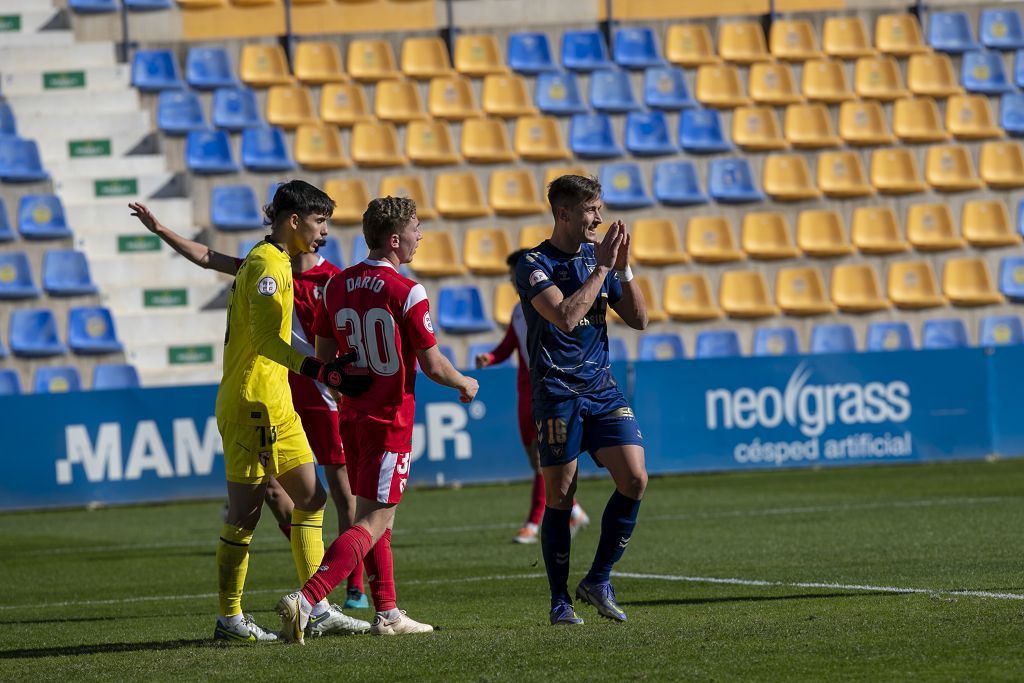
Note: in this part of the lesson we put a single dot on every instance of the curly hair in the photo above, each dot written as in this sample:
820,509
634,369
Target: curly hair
384,217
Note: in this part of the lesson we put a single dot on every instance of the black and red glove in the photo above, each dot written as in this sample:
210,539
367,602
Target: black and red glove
332,374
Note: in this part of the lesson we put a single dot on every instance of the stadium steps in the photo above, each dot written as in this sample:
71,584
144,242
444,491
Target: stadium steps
120,188
41,56
183,361
98,79
144,300
156,327
82,103
128,166
159,270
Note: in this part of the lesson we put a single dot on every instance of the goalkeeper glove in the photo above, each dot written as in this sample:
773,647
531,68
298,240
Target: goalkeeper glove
332,375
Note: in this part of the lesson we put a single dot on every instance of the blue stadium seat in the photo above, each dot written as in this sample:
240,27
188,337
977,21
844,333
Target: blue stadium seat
91,330
41,217
209,68
235,207
10,383
718,344
776,341
530,53
460,310
359,248
8,126
558,93
66,273
833,338
730,181
1011,113
6,231
264,150
208,152
665,88
20,161
16,276
1001,29
617,351
155,70
623,186
56,379
584,50
332,252
115,376
484,347
647,134
660,346
147,5
889,336
1011,278
982,72
591,136
235,109
245,246
92,6
951,32
34,333
701,132
1001,330
636,47
611,91
950,333
179,111
676,184
1018,68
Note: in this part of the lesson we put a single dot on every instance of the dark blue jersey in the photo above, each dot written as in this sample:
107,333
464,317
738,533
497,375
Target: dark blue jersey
565,365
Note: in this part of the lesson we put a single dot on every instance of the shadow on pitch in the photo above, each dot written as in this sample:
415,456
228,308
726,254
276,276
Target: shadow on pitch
104,648
751,598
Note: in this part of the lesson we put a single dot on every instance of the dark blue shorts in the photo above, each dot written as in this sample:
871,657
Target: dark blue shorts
586,423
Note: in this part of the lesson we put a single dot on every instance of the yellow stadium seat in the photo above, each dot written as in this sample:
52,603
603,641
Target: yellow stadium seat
986,223
917,119
429,143
1002,165
787,178
655,242
709,239
318,62
855,289
558,171
801,291
742,42
793,40
967,282
876,230
507,96
539,138
931,74
410,186
878,78
757,129
744,294
899,34
930,228
398,101
264,65
318,147
719,86
655,313
505,299
425,57
894,171
820,233
351,197
459,195
824,80
372,60
862,123
772,83
532,235
436,256
846,38
969,117
912,285
514,193
765,235
478,55
841,175
688,297
485,250
949,168
290,106
343,104
689,45
376,144
485,141
451,98
200,4
809,126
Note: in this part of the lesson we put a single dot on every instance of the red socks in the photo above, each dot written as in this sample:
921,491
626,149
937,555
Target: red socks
537,500
381,569
340,559
355,579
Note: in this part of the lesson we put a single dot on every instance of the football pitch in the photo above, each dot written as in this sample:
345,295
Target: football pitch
874,573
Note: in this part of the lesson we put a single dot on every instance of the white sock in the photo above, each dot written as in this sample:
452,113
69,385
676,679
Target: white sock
576,511
319,608
233,620
304,603
390,614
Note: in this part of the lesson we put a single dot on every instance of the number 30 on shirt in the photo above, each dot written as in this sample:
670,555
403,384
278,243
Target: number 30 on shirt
372,337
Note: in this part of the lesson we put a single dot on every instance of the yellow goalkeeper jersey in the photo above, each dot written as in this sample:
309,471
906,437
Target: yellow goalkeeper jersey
257,353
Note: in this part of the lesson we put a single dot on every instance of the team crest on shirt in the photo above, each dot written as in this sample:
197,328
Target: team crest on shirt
267,286
536,277
427,323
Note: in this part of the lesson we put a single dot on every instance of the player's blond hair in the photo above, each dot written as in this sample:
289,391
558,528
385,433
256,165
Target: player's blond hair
384,217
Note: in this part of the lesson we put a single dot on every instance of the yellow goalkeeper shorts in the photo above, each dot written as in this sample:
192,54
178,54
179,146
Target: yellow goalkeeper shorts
254,452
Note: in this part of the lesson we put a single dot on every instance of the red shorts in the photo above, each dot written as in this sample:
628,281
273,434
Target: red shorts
527,427
321,427
374,472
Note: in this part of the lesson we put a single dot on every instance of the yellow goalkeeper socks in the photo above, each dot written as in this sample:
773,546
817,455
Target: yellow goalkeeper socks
307,542
232,564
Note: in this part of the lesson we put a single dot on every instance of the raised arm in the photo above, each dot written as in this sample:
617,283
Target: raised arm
197,253
631,307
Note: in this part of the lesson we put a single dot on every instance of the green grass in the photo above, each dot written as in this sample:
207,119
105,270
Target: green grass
127,593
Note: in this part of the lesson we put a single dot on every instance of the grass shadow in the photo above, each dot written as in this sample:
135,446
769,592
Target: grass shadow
104,648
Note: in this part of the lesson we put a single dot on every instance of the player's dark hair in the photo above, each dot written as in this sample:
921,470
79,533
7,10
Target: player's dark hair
569,191
384,217
298,197
513,258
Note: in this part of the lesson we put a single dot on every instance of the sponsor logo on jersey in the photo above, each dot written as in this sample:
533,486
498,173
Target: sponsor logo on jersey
267,286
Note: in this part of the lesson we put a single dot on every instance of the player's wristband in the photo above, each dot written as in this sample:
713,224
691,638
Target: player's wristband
625,275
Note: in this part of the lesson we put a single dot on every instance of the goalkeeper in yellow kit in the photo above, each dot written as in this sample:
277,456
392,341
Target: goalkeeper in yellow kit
262,433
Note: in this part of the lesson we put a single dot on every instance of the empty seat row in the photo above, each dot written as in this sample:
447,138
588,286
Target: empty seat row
104,6
65,273
39,217
33,332
63,378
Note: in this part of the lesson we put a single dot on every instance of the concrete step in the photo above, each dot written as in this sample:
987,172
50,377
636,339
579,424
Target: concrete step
129,166
27,21
170,326
111,218
37,38
184,296
15,6
82,103
116,189
181,375
190,361
55,150
63,127
163,269
69,57
94,79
